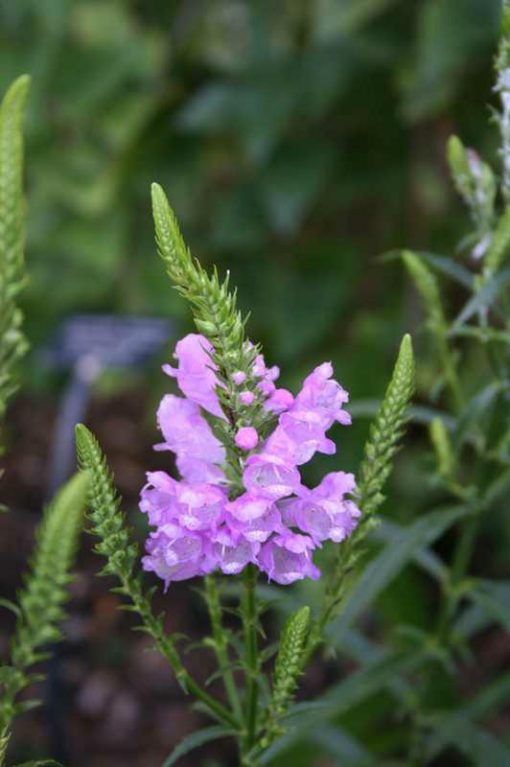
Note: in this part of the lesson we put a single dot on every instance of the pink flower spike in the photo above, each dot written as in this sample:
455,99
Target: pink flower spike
247,438
284,565
239,377
173,555
247,398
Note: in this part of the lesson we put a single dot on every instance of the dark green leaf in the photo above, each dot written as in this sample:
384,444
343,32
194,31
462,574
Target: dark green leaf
494,598
195,740
483,300
342,748
449,267
10,606
407,542
304,718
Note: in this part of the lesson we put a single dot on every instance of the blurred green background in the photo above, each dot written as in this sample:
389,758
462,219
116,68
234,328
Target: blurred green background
297,140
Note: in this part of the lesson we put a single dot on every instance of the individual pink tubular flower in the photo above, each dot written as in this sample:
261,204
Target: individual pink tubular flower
200,505
246,438
324,513
298,437
231,551
324,396
269,476
196,470
158,497
189,436
195,373
287,558
174,555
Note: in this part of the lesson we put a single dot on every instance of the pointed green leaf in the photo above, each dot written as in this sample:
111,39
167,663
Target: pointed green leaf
379,573
484,299
195,740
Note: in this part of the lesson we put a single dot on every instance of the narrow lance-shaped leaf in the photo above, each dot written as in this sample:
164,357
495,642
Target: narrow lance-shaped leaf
195,740
214,305
381,570
304,718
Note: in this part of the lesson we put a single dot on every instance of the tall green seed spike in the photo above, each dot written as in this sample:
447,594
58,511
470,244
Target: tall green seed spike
215,312
383,442
386,432
427,286
12,275
107,519
169,239
288,668
43,595
108,524
214,306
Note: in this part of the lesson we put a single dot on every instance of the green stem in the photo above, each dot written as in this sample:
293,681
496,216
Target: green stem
460,563
221,643
249,615
167,649
450,371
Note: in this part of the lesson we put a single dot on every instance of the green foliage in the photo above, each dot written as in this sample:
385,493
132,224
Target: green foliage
499,246
264,183
427,285
12,238
42,597
386,433
404,544
210,101
195,740
443,448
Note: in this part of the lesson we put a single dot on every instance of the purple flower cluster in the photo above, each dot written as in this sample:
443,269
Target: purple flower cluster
276,522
